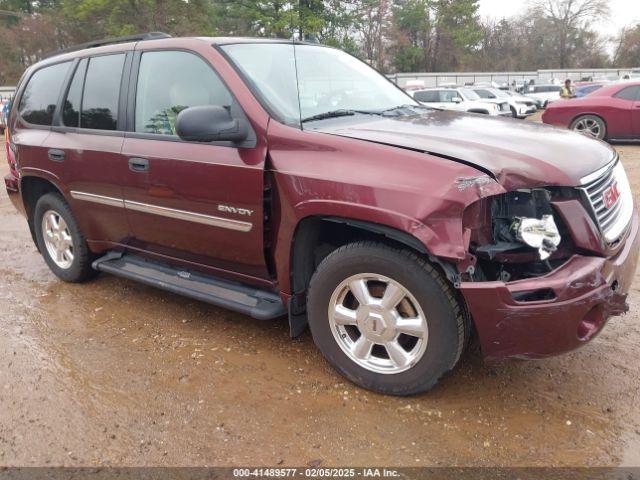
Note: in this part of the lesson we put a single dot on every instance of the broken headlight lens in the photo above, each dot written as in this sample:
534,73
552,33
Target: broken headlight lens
541,234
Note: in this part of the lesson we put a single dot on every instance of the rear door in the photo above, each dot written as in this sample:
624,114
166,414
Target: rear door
200,204
85,146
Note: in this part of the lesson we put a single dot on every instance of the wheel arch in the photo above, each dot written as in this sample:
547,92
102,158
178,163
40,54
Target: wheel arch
32,187
316,236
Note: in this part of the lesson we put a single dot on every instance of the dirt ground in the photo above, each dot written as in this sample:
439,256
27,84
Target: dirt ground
116,373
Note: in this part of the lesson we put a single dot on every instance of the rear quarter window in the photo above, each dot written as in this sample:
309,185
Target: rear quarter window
40,96
628,93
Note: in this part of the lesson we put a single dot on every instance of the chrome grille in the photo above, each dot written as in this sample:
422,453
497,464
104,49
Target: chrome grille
610,198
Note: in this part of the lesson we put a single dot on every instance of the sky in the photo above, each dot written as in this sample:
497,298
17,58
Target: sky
623,13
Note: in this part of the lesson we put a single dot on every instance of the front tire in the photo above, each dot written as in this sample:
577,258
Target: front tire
385,318
590,125
60,240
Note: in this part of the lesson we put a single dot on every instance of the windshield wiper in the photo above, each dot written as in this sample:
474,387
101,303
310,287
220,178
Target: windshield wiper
348,112
406,106
338,113
331,114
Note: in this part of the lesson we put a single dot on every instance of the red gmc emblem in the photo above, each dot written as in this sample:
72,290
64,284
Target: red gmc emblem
610,196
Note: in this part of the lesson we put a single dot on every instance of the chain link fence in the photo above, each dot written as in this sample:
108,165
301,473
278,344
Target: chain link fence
509,78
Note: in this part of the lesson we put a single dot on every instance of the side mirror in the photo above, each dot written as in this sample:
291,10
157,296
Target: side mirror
456,100
210,123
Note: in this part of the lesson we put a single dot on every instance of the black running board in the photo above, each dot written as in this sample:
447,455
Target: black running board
256,303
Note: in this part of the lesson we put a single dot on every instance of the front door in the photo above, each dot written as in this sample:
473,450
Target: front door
200,204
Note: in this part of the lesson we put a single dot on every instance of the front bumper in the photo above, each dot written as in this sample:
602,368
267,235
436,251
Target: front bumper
524,111
588,290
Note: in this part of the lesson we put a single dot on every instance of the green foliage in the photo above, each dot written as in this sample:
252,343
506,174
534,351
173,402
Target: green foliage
96,18
434,34
255,18
408,58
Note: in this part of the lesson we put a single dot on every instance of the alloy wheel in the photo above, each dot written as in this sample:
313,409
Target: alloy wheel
588,126
57,239
378,323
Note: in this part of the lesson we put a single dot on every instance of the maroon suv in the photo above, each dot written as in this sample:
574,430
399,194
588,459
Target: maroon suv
273,178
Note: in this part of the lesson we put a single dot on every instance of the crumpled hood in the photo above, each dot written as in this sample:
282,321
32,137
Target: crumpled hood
517,153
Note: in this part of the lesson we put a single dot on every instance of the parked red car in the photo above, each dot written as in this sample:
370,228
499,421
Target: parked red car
611,112
275,178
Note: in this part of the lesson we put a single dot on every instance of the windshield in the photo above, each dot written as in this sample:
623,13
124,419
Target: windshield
500,93
328,80
469,94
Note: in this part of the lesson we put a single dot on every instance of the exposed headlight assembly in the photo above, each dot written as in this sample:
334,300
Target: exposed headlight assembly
519,219
541,234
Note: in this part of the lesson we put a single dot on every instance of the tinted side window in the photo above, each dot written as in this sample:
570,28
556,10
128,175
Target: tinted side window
427,96
71,106
39,99
629,93
102,92
169,82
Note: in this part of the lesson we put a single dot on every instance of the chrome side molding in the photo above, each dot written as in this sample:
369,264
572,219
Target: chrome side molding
211,220
101,199
190,216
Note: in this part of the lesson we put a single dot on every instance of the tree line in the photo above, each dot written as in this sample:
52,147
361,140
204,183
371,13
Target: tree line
392,35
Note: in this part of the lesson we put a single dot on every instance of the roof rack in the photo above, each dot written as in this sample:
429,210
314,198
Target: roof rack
111,41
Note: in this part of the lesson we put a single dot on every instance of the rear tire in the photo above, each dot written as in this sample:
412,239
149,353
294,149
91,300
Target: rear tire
60,240
399,332
590,125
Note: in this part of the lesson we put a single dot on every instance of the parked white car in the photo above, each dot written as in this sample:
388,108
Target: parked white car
461,99
546,93
512,93
521,106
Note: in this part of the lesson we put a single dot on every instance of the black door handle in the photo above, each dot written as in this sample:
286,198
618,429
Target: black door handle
56,155
138,164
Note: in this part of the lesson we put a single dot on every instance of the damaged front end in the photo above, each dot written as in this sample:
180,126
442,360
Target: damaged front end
516,235
538,281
